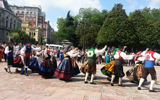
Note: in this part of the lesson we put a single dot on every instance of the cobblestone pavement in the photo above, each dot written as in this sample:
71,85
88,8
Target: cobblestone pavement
15,86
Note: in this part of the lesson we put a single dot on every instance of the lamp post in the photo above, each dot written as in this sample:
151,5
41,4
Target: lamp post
85,25
10,37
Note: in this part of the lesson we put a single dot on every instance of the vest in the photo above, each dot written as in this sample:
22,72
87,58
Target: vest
91,55
27,52
11,53
150,60
118,52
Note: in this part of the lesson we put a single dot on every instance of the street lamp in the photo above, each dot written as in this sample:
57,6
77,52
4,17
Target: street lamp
10,37
85,25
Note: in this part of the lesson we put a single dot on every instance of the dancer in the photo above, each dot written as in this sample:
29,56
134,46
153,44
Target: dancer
92,56
46,67
10,50
150,56
26,52
119,57
64,69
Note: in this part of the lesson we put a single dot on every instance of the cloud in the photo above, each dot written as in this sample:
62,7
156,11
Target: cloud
154,4
54,25
73,5
133,5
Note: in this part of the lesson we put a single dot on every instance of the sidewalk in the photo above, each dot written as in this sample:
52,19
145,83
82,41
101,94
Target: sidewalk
19,87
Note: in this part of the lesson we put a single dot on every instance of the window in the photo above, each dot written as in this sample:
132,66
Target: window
29,33
40,17
26,18
30,18
34,22
30,12
32,29
44,26
22,12
34,19
34,12
27,12
21,18
33,25
34,34
40,21
24,28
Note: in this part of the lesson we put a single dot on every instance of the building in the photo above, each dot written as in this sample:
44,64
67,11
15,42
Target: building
52,40
36,17
47,32
31,14
34,32
8,20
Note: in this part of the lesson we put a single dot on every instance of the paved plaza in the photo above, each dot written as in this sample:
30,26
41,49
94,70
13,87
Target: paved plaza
19,87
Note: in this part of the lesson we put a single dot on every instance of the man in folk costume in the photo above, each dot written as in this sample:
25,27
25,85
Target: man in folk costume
150,57
119,57
26,52
10,50
93,53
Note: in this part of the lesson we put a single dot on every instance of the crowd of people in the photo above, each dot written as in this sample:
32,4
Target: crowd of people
43,60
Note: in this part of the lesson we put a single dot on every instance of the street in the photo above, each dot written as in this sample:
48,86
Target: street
19,87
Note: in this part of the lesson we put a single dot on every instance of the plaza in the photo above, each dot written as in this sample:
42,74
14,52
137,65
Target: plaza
20,87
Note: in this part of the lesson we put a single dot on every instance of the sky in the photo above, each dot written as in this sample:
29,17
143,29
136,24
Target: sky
58,8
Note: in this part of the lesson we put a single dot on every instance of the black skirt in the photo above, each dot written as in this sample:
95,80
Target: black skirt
10,60
118,68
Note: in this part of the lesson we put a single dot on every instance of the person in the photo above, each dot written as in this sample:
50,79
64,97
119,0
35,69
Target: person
150,57
79,57
100,59
131,62
64,69
107,59
58,53
26,52
4,55
1,52
34,62
119,57
10,50
46,66
135,73
93,53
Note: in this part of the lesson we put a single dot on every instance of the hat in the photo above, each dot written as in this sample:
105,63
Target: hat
11,41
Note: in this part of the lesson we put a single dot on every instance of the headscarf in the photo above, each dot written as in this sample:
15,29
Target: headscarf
66,48
115,51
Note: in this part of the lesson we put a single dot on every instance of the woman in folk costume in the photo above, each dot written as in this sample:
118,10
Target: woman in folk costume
92,56
10,50
119,57
65,68
75,70
34,62
136,72
26,52
150,57
46,67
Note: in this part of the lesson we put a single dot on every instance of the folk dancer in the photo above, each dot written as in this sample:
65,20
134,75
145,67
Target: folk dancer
150,57
26,52
93,53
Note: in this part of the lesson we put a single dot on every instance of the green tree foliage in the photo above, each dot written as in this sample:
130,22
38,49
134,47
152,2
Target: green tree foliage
113,30
143,30
18,34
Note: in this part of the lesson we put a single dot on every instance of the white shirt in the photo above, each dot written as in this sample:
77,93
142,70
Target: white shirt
23,50
7,49
155,55
98,52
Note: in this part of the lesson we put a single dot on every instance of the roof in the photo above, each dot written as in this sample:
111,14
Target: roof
4,4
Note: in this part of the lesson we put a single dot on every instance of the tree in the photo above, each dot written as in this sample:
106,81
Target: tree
112,33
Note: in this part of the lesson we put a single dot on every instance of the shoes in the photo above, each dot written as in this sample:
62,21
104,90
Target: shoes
10,72
139,88
6,69
111,84
119,84
93,83
152,90
86,82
